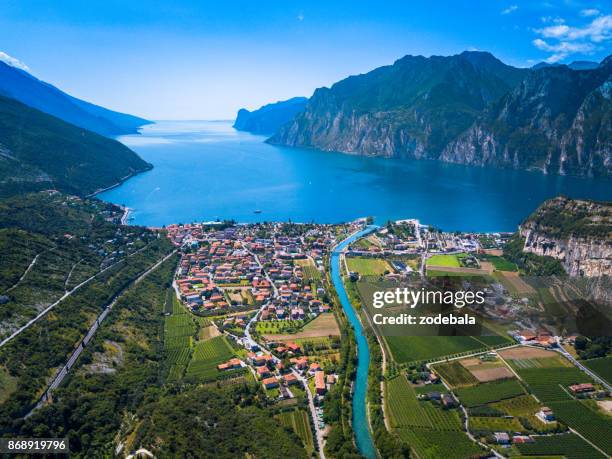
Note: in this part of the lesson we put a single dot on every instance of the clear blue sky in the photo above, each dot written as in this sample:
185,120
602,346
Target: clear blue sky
199,60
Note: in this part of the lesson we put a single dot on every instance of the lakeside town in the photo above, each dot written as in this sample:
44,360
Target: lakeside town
265,289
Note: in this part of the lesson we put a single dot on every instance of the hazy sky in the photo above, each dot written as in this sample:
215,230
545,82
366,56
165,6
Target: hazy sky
204,60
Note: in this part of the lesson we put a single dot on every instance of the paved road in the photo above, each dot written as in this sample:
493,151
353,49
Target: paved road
248,337
588,371
313,412
90,334
31,322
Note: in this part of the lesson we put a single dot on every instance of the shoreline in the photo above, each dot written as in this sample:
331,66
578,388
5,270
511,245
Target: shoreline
120,182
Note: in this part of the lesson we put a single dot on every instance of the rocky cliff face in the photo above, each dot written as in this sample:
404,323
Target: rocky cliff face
579,233
468,109
411,109
557,120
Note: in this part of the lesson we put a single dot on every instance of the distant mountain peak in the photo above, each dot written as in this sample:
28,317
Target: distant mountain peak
269,118
13,62
17,83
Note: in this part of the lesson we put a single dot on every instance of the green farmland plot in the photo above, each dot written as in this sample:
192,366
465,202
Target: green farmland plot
489,392
405,349
601,366
436,444
368,266
299,423
594,426
403,407
455,374
549,384
452,261
568,445
495,424
523,405
206,356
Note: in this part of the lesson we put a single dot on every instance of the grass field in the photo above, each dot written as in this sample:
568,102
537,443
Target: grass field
206,356
601,366
568,445
500,263
451,261
298,421
489,392
368,266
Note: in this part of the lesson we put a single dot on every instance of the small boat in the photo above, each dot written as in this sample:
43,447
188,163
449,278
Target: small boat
257,211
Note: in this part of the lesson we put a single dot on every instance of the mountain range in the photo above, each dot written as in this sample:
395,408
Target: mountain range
24,87
39,151
269,118
469,108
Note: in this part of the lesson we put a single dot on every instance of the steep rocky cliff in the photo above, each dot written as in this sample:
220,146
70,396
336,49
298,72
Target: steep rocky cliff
412,108
557,120
576,232
470,109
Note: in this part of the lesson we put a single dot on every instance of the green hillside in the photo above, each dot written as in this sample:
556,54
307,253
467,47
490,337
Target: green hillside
39,151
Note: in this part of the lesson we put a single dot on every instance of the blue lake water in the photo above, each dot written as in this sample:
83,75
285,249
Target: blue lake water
206,170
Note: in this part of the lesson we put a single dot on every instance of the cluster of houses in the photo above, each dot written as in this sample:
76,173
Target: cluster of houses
322,382
255,258
542,338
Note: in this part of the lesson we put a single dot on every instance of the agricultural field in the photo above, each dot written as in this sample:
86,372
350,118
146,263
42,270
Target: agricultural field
455,374
499,262
406,349
549,384
523,405
495,424
179,330
486,370
436,444
274,327
405,410
402,405
299,422
448,261
322,326
595,427
311,273
206,356
601,366
368,266
489,392
568,445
